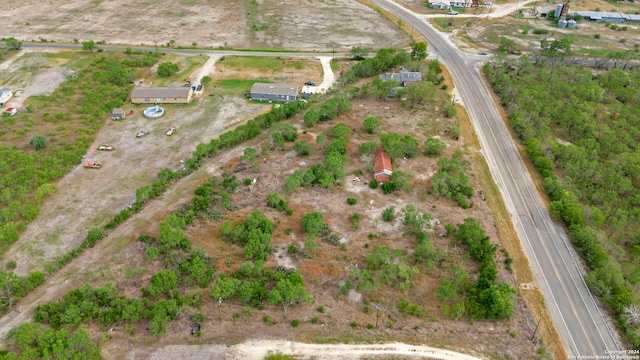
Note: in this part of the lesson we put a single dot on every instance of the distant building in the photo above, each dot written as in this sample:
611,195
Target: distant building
274,92
308,91
440,5
543,11
161,95
5,95
382,167
403,77
463,4
598,16
118,114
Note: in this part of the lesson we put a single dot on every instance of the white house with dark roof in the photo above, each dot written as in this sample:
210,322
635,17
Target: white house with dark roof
5,95
441,5
161,95
274,92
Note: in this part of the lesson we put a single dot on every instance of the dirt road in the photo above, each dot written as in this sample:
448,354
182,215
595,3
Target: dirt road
257,350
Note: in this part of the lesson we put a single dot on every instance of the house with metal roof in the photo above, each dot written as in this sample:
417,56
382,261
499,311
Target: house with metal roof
382,167
631,18
5,95
274,92
161,95
615,17
402,77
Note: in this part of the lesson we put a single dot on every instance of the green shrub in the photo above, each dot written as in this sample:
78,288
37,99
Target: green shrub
295,323
268,320
373,184
371,124
389,213
152,253
352,201
320,309
355,220
11,264
433,147
166,69
38,142
94,235
388,187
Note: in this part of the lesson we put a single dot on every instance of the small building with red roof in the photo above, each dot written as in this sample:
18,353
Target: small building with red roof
382,167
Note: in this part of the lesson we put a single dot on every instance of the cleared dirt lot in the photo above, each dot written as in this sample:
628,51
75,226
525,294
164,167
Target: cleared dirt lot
288,24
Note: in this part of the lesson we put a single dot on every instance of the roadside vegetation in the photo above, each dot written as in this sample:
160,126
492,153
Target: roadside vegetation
579,127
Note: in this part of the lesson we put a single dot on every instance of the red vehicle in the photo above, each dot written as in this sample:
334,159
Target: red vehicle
92,165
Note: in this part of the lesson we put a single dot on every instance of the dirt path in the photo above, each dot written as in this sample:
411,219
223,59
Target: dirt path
328,76
59,284
5,64
208,68
257,350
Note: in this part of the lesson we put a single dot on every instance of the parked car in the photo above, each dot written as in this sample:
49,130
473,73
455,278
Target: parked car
142,133
171,131
452,12
92,165
482,53
199,88
310,83
105,147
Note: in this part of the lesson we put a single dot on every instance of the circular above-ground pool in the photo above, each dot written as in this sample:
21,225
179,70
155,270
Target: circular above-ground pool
154,112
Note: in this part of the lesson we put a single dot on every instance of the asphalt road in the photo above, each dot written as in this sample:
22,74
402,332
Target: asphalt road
575,314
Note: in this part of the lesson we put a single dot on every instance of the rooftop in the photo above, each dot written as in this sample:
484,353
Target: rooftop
382,162
160,92
402,76
276,89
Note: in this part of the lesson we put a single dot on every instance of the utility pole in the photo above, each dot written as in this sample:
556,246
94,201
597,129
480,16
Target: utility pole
536,329
377,314
219,310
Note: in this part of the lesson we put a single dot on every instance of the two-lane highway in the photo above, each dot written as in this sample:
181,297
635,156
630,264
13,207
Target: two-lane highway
576,316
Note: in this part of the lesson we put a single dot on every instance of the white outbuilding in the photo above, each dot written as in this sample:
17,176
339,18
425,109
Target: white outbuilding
5,95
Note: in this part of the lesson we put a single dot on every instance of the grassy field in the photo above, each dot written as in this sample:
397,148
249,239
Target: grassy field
236,85
264,64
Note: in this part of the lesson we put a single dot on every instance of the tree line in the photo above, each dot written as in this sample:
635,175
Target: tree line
580,130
